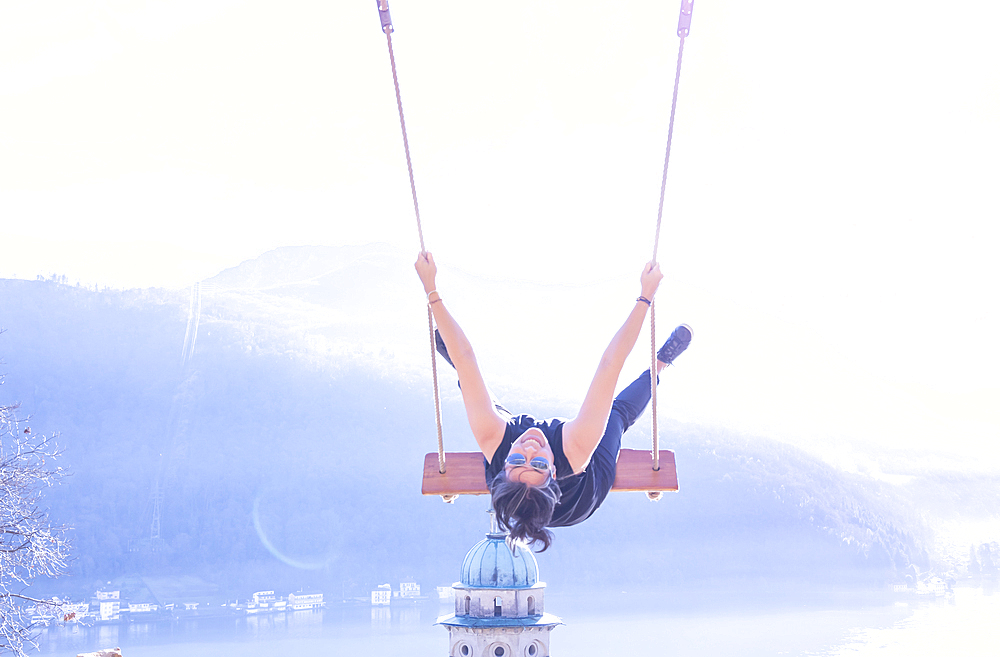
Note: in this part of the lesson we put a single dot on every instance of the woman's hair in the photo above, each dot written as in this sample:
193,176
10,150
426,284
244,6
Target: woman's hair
525,510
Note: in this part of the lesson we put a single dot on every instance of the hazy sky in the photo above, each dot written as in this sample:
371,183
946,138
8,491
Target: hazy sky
831,208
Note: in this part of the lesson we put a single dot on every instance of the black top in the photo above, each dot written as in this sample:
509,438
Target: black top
581,493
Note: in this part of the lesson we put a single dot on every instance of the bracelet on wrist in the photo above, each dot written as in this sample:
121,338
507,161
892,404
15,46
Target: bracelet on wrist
645,301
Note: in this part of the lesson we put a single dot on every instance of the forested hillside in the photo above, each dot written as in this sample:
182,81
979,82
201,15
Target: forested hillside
283,459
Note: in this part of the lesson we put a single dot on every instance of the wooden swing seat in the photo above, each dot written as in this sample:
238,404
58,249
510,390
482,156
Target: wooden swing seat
466,476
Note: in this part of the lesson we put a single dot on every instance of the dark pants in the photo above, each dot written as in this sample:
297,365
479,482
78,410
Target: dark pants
625,410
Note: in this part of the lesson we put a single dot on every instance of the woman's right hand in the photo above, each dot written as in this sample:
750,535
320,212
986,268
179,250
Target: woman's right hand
426,270
650,279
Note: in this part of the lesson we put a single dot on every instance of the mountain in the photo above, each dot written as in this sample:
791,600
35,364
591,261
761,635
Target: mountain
279,413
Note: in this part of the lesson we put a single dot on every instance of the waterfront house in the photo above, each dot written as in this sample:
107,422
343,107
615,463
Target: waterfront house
409,589
105,606
262,602
302,601
382,595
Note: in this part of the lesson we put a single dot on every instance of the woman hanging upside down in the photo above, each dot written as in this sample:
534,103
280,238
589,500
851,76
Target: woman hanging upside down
552,473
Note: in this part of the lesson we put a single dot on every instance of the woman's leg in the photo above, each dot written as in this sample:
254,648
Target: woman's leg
625,410
632,401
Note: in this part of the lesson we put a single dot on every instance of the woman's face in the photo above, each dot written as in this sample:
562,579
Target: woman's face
531,444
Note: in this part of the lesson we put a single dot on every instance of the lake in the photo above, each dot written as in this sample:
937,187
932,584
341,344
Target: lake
691,625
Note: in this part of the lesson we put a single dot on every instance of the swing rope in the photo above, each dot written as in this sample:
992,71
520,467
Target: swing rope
383,12
683,29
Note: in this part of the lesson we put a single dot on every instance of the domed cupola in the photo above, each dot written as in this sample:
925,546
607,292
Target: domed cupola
499,603
491,563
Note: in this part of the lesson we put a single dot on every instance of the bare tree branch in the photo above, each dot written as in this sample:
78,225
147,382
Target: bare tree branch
30,545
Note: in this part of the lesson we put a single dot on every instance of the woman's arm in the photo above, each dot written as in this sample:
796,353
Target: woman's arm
487,424
582,434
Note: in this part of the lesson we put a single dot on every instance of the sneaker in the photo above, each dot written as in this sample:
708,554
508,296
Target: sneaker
675,344
443,350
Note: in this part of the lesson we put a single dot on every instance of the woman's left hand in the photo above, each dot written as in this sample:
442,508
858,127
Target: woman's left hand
426,270
650,279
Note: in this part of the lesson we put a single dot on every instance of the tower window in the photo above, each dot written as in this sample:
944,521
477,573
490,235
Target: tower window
465,650
532,650
499,651
498,612
531,609
468,605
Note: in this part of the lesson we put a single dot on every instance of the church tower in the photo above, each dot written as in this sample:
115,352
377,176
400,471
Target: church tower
499,604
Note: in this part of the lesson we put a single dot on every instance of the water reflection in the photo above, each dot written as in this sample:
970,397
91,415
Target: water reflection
695,629
138,631
107,635
381,618
306,619
73,638
409,617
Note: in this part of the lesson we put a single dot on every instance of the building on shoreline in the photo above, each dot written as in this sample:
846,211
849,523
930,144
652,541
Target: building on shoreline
110,606
305,601
382,595
408,593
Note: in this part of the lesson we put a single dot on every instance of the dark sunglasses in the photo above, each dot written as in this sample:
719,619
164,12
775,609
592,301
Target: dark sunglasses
539,463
